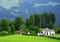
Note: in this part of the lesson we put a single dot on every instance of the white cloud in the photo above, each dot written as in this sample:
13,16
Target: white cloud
27,11
14,14
16,10
9,3
48,4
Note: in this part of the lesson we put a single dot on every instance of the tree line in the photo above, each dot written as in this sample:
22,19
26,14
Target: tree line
34,24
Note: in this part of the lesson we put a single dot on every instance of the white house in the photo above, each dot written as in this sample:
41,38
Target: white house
47,31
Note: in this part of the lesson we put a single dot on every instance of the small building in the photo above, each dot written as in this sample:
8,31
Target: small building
47,31
20,31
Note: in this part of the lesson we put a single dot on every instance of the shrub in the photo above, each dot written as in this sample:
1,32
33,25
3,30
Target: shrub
32,33
3,33
57,29
36,29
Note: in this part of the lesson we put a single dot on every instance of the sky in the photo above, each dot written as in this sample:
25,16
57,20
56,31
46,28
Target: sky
24,8
12,3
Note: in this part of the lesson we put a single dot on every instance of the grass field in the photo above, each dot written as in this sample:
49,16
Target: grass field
22,38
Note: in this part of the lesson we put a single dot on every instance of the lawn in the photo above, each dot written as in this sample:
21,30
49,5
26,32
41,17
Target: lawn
22,38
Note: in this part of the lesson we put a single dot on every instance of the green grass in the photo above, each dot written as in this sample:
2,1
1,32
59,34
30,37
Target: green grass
22,38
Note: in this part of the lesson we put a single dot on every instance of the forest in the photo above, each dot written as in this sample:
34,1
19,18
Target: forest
33,24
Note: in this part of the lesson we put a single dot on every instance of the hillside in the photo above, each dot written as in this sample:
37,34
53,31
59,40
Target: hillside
22,38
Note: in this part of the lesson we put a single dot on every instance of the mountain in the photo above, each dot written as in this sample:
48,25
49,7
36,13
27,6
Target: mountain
24,8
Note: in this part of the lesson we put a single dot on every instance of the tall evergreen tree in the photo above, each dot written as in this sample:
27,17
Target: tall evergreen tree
4,25
18,21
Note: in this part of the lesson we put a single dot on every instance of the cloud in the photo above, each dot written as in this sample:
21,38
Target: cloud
48,4
14,14
9,3
27,11
16,10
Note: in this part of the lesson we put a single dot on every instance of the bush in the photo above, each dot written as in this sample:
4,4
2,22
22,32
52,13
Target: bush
26,31
32,33
36,29
57,29
3,33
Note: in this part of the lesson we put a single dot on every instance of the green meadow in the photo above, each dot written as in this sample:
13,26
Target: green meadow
24,38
